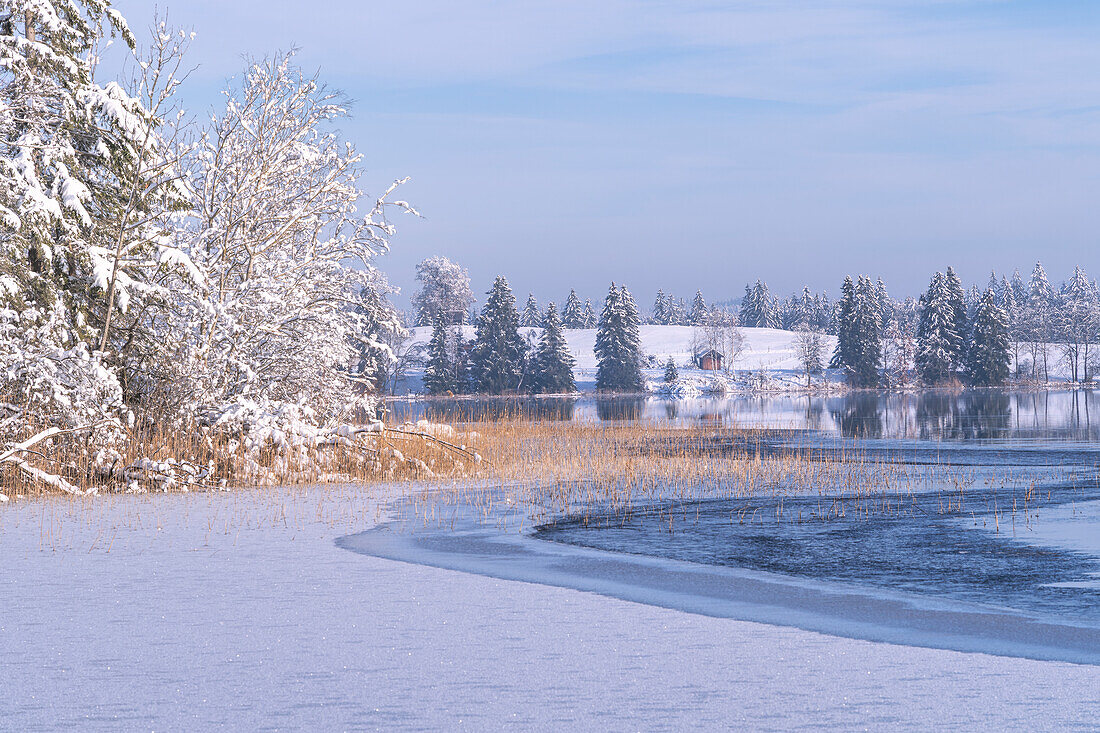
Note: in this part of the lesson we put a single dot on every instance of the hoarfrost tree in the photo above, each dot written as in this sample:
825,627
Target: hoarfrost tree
444,292
720,333
588,315
439,370
72,154
497,361
618,345
899,352
957,300
988,356
699,312
553,362
662,310
810,347
936,335
378,339
282,246
859,348
1076,322
671,375
531,317
1038,321
573,315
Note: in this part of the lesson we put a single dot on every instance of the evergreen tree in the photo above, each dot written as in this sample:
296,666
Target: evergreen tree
1039,318
671,375
661,310
868,330
936,335
618,346
957,300
553,362
588,317
531,317
699,312
988,357
497,358
677,312
846,354
439,372
572,316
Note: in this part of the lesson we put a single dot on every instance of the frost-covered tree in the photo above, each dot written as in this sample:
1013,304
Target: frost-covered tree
553,372
531,317
444,292
618,345
936,335
1075,322
282,245
573,315
810,347
859,347
957,300
498,355
699,312
439,370
1038,320
988,356
375,339
758,308
588,315
662,310
671,374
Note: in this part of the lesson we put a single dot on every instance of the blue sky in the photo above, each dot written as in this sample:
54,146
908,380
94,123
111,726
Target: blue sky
691,144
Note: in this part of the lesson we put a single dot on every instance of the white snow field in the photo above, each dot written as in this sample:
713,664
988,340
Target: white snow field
239,611
769,349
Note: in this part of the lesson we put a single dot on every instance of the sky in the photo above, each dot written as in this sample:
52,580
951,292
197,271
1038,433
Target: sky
696,144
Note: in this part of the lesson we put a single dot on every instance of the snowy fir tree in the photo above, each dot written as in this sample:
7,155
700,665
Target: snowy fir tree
378,330
699,312
662,310
1039,314
1076,322
961,328
439,377
573,315
936,336
588,315
671,374
444,292
531,317
498,355
988,356
758,308
618,346
859,340
553,371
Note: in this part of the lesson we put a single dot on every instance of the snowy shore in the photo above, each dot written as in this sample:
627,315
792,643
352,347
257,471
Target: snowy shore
241,611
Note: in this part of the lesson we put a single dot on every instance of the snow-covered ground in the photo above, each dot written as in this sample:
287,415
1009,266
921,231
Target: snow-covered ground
765,349
240,611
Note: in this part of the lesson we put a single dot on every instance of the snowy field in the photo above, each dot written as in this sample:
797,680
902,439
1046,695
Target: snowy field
768,349
191,612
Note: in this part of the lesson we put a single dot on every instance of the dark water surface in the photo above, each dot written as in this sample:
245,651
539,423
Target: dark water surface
1042,559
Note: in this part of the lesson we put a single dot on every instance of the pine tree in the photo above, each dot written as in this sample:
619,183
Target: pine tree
553,362
671,375
572,316
439,371
618,344
531,317
846,354
957,301
868,330
497,358
1039,318
699,312
677,312
588,317
936,335
988,357
661,311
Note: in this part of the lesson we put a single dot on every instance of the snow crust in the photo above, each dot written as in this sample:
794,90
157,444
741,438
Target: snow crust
238,610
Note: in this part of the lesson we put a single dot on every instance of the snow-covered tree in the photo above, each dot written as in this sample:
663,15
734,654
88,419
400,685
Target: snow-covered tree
497,361
699,312
671,374
376,338
1076,321
957,299
810,347
859,347
439,370
573,316
588,315
719,333
936,335
282,247
553,371
1038,320
988,356
531,317
444,292
662,310
618,345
